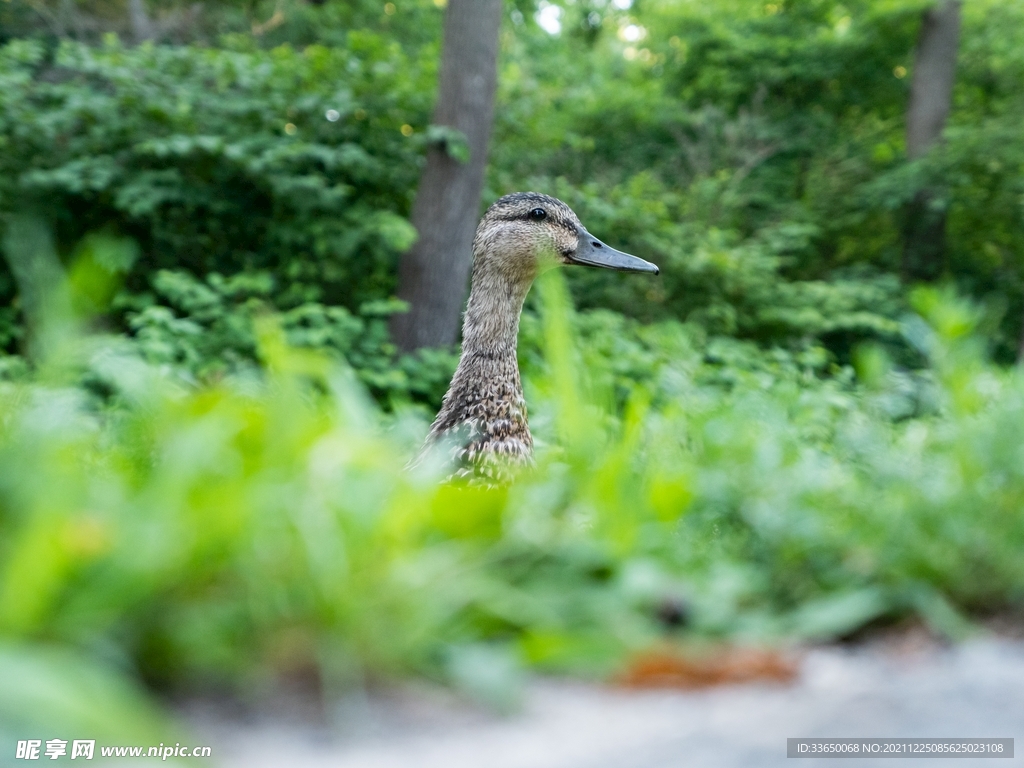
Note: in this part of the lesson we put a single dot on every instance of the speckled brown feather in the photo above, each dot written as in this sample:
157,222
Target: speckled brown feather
484,412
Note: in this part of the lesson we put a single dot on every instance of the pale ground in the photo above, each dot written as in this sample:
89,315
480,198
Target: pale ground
904,688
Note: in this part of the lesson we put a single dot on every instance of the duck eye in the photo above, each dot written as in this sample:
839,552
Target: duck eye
538,214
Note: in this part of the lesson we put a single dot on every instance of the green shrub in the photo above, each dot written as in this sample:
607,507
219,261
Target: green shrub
221,160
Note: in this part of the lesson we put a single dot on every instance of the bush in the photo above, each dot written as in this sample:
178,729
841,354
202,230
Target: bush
221,161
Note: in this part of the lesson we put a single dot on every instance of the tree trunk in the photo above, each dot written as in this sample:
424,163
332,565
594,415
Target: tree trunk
434,273
931,96
142,25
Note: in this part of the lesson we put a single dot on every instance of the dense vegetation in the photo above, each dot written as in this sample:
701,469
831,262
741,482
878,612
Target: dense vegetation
203,423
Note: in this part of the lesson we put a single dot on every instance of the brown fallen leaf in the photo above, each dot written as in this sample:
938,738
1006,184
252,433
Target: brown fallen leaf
674,668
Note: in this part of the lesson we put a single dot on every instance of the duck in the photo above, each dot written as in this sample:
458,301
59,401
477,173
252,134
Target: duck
483,416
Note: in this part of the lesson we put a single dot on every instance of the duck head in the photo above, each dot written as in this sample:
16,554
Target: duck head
525,233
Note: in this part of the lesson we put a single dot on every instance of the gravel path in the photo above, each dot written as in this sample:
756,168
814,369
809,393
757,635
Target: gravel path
907,689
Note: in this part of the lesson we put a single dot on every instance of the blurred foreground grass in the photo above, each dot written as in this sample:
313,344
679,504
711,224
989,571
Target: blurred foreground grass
228,537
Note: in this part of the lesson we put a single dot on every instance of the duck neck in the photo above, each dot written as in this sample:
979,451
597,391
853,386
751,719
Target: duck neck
491,326
486,391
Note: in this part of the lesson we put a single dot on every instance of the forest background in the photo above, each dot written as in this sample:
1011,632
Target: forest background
808,424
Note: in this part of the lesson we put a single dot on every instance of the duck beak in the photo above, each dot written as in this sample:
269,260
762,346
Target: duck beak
591,252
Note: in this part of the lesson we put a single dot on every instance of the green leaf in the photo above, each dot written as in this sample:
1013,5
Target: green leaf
450,140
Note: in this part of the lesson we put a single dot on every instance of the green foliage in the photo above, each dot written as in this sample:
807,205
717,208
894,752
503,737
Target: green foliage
208,329
222,160
188,151
265,528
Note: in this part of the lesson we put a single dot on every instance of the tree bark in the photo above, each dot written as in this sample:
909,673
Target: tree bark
434,273
931,97
142,26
